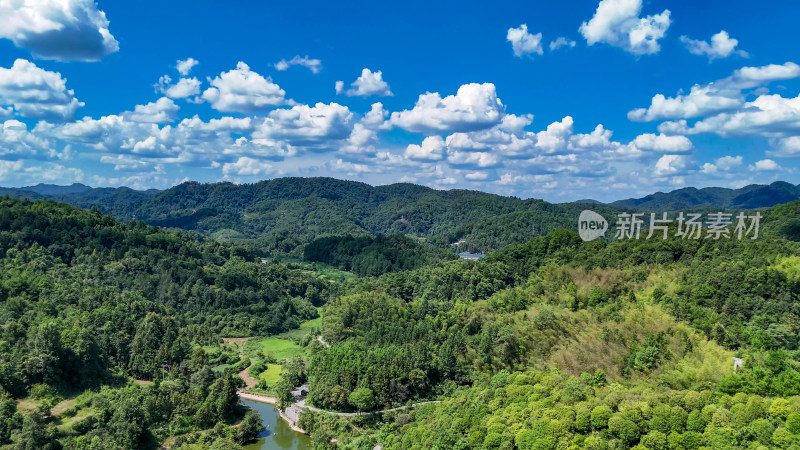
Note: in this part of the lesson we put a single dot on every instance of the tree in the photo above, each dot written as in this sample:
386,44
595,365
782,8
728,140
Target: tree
362,399
248,430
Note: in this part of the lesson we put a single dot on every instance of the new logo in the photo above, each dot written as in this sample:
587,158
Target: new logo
591,225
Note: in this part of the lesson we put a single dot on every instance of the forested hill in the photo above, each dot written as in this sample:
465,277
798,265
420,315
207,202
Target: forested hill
88,302
559,343
748,197
283,214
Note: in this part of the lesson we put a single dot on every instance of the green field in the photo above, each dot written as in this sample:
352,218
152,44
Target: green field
272,375
279,347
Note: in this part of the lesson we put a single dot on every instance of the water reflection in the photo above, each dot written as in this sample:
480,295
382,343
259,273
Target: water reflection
278,435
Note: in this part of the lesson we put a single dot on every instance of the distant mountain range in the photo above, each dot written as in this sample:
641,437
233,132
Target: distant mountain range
284,213
748,197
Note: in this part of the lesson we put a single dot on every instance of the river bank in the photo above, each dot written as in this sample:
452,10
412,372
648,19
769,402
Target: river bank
292,422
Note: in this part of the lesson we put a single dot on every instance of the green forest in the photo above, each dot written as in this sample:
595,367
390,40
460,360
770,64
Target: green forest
112,336
90,304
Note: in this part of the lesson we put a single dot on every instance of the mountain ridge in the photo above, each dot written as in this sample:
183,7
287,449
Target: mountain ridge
283,214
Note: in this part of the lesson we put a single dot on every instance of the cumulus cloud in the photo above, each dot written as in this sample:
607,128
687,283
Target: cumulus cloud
163,110
701,100
62,30
473,159
37,93
721,46
771,116
474,107
561,42
617,23
369,83
9,168
184,66
786,147
242,90
190,142
713,98
524,43
246,166
432,149
669,165
765,165
314,65
16,141
183,88
663,144
312,126
723,164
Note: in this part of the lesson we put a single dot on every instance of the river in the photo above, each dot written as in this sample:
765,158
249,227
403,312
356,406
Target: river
278,435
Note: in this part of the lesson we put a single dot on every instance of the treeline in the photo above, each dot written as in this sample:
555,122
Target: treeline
373,256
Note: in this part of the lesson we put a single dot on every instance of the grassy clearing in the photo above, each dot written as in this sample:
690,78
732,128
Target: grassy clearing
279,347
272,375
333,274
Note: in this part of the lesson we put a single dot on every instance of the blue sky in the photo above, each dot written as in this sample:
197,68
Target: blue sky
603,99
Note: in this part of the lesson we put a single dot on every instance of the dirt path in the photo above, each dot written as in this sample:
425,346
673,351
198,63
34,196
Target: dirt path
321,341
249,382
258,398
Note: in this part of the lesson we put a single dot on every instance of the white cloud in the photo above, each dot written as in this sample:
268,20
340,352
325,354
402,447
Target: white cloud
37,93
724,164
183,88
242,90
473,159
432,149
314,65
524,43
700,101
669,165
303,125
9,169
375,118
750,77
617,23
477,176
561,42
727,163
369,83
474,107
17,141
555,138
765,165
191,141
662,143
63,30
352,169
786,147
770,116
184,66
126,162
246,166
162,110
720,96
721,46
